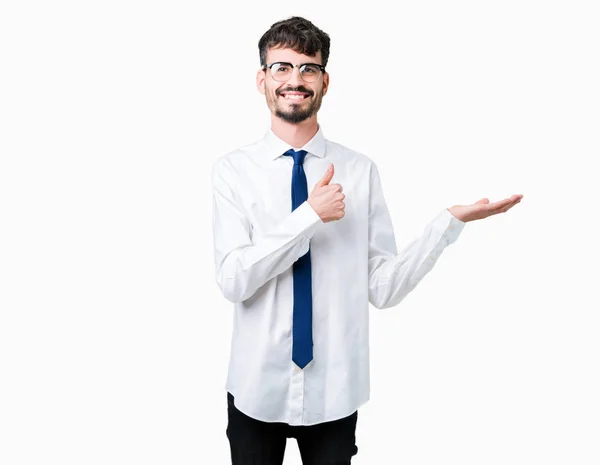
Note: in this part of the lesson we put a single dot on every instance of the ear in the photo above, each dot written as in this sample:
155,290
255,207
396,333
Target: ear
260,81
325,82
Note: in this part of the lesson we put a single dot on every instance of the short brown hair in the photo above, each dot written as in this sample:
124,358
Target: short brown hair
296,33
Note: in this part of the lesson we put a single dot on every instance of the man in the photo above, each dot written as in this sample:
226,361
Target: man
302,268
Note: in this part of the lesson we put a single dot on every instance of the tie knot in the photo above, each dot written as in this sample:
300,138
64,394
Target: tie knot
298,156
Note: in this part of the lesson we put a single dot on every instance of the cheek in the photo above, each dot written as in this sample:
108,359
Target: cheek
271,90
271,94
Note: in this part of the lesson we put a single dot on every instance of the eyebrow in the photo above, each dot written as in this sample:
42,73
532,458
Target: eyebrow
292,64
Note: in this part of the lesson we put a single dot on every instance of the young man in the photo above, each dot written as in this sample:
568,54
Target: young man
302,265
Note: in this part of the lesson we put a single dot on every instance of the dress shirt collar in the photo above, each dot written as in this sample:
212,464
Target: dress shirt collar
275,147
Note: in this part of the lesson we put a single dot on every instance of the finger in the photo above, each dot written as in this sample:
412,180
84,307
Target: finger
513,204
507,204
515,197
327,177
499,205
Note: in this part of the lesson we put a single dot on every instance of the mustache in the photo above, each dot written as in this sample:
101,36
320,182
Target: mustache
295,89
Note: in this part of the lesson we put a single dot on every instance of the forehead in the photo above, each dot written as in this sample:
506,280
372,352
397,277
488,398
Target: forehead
291,56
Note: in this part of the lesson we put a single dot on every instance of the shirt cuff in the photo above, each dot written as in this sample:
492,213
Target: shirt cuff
450,225
306,219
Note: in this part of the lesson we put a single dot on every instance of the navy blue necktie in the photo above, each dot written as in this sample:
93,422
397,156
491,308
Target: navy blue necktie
302,345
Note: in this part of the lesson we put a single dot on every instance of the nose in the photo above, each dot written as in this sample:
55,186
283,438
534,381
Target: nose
295,78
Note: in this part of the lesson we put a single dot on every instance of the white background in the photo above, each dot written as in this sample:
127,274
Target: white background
114,337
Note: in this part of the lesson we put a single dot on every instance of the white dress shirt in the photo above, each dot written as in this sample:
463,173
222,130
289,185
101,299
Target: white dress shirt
354,262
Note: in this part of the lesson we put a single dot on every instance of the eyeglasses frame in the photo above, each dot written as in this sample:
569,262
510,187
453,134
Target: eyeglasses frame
265,66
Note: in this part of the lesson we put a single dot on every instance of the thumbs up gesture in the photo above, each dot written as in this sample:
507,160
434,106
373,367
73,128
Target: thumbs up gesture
327,199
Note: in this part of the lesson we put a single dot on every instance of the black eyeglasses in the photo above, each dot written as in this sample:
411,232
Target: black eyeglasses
282,71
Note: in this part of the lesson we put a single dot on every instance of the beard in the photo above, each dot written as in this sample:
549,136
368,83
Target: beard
295,112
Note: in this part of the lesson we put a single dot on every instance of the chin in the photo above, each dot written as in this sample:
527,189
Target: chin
292,117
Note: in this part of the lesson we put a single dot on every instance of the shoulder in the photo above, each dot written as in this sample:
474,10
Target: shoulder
226,165
349,155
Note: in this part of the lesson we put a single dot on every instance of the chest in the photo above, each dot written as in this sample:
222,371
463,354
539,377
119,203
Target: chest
265,193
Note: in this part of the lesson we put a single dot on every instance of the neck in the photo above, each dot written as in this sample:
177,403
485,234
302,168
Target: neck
295,134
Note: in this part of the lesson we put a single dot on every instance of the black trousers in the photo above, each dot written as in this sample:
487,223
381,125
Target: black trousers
255,442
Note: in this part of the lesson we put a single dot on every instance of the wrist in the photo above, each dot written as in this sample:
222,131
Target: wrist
456,213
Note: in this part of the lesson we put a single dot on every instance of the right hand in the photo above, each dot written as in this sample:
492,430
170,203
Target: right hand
327,199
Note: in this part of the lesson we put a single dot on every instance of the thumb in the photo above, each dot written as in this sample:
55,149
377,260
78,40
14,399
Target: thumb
328,175
483,201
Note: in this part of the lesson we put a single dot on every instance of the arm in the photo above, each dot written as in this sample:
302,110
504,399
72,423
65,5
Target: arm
393,275
243,263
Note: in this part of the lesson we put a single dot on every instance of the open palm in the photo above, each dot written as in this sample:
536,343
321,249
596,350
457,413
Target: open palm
483,208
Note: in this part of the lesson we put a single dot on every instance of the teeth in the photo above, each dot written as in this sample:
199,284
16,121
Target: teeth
294,97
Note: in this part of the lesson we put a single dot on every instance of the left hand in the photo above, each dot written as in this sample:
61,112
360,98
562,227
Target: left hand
483,208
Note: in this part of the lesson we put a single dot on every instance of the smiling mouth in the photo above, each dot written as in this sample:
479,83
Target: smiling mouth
292,97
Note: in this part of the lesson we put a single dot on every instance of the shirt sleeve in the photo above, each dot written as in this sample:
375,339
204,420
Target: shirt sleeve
244,261
393,275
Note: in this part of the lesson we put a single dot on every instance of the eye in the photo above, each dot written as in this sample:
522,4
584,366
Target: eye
281,68
310,69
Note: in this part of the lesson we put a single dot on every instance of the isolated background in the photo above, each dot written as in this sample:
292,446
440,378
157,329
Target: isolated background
114,337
